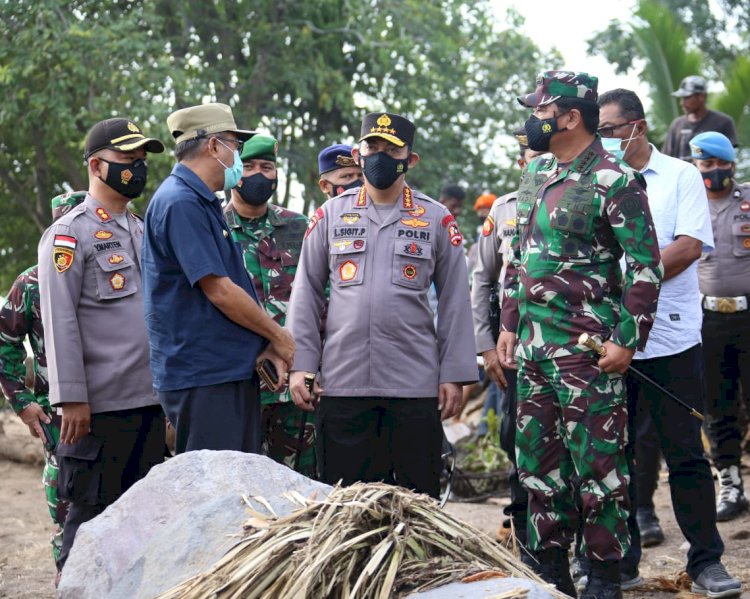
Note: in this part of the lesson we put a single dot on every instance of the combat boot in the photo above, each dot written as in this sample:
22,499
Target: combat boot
554,568
648,525
604,581
732,500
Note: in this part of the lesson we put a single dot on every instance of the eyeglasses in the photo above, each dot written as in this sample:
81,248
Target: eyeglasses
240,143
609,131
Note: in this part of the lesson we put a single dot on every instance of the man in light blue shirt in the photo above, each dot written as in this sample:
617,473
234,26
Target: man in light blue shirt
673,356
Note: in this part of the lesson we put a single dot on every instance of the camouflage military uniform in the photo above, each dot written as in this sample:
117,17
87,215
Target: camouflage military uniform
20,316
271,248
573,223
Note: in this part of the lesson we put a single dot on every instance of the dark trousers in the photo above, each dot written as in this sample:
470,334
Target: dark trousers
647,456
368,439
519,497
726,350
120,450
690,481
223,416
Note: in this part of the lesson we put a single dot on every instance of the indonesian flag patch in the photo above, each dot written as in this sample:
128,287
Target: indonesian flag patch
63,252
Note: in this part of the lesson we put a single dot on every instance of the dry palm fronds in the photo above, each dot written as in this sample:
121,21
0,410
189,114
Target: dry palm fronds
362,541
681,583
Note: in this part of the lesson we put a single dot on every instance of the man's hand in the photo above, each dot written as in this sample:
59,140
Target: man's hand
617,358
301,397
31,415
76,422
450,400
284,346
506,350
282,370
493,369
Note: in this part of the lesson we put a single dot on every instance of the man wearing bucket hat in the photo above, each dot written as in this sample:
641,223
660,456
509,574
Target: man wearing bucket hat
20,317
575,216
206,329
724,278
112,429
338,171
388,376
697,118
271,241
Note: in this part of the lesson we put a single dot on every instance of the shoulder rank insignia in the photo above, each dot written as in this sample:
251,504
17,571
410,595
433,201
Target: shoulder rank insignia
348,270
115,259
361,198
102,234
117,281
415,223
63,252
103,215
409,200
488,226
314,219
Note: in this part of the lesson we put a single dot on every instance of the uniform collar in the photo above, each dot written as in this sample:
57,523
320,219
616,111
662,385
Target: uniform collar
100,212
193,181
406,199
273,216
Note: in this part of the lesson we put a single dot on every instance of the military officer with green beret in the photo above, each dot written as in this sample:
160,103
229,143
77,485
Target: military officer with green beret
271,241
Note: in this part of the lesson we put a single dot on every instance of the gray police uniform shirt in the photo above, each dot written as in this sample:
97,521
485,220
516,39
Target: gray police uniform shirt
92,310
380,339
725,272
493,254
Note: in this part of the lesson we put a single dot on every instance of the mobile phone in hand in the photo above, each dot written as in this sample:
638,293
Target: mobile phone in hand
49,440
268,374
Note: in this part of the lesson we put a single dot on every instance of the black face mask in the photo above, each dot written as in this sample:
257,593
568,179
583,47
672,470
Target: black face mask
539,132
337,190
256,189
127,179
381,170
717,179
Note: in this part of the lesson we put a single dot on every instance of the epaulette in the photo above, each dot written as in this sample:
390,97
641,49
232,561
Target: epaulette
585,161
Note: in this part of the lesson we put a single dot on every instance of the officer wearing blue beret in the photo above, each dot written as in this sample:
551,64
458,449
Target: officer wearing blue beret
338,170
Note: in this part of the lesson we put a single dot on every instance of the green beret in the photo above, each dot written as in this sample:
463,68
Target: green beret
264,147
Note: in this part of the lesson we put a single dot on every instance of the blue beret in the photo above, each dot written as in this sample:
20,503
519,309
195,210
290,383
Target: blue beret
335,157
712,144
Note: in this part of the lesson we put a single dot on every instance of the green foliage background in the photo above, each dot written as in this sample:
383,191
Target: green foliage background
304,71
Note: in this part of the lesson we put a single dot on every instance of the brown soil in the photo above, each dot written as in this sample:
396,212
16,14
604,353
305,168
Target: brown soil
27,570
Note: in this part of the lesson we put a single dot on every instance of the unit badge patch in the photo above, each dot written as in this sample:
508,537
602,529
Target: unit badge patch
348,270
117,281
410,271
413,249
314,219
455,234
415,223
359,244
63,252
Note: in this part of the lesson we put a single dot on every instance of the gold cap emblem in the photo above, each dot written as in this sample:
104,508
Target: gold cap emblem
133,127
384,120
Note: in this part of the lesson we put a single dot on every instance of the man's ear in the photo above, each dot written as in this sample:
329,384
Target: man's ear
574,118
413,159
323,184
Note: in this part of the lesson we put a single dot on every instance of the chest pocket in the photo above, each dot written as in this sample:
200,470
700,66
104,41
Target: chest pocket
347,261
572,223
116,275
412,264
741,237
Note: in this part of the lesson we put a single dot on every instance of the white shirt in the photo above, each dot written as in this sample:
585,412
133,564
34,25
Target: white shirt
679,206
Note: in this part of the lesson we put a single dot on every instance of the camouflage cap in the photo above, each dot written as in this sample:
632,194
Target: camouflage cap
552,85
65,202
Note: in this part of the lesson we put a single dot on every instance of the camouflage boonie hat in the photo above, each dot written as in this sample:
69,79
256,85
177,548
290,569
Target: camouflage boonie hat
65,202
552,85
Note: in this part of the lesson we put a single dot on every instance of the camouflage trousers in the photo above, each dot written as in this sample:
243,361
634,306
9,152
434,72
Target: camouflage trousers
58,508
280,432
572,422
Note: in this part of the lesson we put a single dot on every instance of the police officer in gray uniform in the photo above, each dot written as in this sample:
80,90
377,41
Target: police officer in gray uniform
492,260
724,279
388,376
98,355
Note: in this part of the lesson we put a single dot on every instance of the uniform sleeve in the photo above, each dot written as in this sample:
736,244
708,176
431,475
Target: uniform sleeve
693,214
184,224
630,218
60,293
455,332
15,325
308,298
486,274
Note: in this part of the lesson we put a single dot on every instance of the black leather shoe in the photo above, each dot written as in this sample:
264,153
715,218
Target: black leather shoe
648,524
714,581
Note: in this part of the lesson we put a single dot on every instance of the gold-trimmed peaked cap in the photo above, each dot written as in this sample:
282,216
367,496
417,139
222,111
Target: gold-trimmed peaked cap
119,134
391,127
205,119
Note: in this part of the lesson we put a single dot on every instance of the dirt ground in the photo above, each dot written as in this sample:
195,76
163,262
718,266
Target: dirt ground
27,570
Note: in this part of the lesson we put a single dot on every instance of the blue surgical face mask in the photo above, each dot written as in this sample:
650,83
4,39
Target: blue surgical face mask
613,145
232,174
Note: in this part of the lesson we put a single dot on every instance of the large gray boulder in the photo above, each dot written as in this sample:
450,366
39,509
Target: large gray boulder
175,523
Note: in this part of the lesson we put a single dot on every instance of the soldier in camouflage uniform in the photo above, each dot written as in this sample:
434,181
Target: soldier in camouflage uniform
576,215
20,317
271,240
